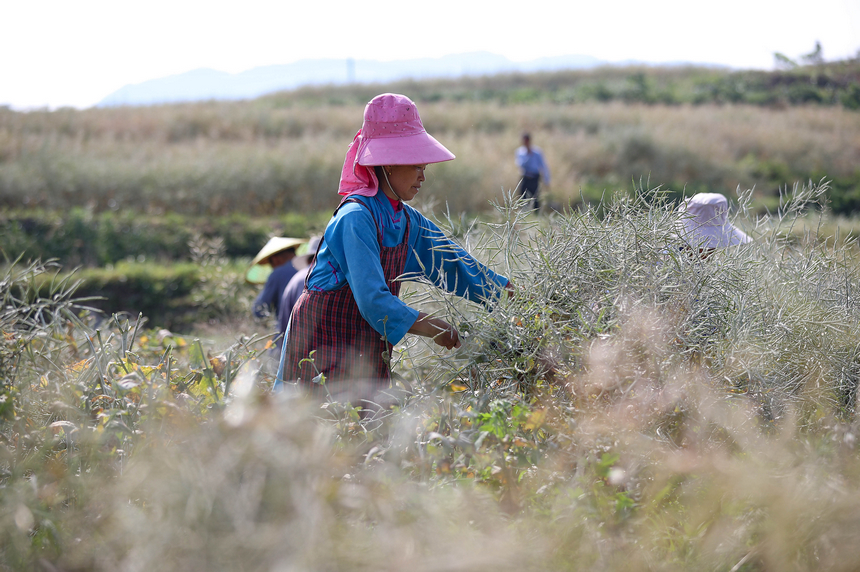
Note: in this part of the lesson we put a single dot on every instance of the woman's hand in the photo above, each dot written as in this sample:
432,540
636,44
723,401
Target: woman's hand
449,337
441,331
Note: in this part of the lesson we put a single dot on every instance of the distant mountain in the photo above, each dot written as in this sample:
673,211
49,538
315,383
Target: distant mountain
204,84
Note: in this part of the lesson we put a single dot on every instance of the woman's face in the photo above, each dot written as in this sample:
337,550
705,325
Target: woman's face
405,180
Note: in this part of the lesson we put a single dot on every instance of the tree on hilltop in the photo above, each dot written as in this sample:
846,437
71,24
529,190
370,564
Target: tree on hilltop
814,57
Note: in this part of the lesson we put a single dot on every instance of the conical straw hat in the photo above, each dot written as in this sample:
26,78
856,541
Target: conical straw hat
259,272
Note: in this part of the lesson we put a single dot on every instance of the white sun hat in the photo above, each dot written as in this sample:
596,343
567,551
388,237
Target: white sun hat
704,222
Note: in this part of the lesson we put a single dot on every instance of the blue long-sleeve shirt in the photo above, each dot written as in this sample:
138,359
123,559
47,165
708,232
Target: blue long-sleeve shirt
532,163
350,253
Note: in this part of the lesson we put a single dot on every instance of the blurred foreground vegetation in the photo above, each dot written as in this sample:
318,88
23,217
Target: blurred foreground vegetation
631,407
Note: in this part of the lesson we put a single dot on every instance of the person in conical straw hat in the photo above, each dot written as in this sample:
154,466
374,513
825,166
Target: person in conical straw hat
704,224
349,315
273,267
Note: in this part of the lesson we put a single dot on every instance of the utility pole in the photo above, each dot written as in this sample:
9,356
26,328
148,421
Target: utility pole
350,71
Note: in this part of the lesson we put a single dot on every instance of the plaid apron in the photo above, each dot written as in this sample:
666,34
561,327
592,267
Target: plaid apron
346,347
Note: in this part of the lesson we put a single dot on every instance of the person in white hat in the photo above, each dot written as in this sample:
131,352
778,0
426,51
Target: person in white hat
277,254
305,256
704,224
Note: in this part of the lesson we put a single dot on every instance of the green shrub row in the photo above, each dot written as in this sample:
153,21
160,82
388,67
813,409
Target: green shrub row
173,296
80,237
162,293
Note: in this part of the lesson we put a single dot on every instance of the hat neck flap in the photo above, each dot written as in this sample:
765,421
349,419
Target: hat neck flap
357,179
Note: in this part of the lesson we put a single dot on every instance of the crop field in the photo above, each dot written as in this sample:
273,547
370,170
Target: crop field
223,161
629,407
284,153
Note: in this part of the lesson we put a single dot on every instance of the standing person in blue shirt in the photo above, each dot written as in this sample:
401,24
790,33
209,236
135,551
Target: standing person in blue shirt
349,316
532,167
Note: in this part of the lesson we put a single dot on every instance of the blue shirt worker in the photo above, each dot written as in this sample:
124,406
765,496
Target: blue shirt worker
349,316
532,167
273,265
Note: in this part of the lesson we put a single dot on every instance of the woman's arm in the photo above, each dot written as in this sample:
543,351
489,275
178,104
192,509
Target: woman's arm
441,331
449,266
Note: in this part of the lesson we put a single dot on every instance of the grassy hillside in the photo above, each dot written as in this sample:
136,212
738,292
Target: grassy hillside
834,83
685,129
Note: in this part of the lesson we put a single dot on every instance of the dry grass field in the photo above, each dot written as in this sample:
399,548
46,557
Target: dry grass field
630,407
284,153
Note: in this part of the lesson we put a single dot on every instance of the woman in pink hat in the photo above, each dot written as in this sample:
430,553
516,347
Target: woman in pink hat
349,316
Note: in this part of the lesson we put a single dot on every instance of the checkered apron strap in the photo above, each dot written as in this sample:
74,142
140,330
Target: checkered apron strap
329,335
343,201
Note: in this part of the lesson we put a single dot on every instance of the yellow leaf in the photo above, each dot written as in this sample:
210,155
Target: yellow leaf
78,366
218,363
536,419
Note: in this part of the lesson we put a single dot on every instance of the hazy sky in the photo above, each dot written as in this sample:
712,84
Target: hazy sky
74,53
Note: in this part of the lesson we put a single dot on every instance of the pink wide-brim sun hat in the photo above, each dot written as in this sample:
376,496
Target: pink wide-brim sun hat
704,222
392,134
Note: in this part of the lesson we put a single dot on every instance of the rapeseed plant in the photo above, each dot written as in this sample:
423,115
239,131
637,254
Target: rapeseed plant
631,407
